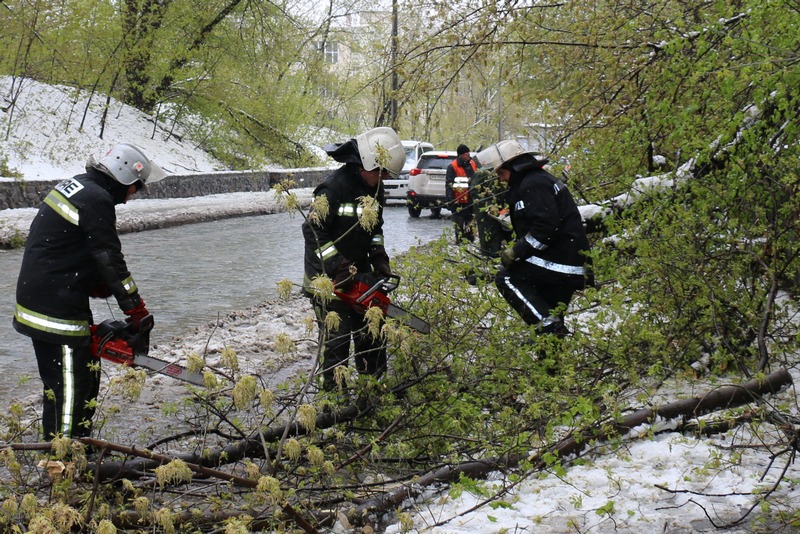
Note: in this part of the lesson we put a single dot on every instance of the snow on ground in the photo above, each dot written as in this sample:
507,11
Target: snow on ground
658,484
668,482
54,129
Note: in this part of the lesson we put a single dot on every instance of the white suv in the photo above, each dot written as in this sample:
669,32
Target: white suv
426,183
396,188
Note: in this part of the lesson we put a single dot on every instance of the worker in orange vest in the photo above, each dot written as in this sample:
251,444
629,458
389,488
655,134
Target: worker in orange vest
457,192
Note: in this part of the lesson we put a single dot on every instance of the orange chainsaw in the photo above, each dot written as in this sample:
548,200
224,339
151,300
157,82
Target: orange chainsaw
114,340
368,290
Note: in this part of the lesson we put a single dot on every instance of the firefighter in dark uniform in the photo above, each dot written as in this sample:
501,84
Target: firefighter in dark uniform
458,198
338,246
73,253
549,259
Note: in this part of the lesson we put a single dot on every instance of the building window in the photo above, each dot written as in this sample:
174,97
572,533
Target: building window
330,51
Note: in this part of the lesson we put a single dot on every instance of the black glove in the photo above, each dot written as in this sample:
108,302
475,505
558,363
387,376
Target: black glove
380,261
136,314
523,250
383,269
342,277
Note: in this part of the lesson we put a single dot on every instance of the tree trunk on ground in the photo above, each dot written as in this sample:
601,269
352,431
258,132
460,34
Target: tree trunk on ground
246,448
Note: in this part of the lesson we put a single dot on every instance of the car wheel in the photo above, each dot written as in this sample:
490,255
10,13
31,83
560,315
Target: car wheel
436,213
414,211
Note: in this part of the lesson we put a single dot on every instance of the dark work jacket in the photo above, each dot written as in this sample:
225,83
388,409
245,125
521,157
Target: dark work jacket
551,238
72,250
339,238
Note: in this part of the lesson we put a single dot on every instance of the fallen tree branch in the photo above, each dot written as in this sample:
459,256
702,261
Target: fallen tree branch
161,459
767,112
250,447
718,399
360,511
135,521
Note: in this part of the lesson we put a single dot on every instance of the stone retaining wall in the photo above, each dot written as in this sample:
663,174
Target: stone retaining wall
22,194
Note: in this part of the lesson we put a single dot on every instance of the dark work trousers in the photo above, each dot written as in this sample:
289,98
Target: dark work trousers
369,354
71,378
462,220
532,299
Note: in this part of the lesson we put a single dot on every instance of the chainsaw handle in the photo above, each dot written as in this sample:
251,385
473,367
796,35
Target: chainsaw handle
391,282
145,325
384,285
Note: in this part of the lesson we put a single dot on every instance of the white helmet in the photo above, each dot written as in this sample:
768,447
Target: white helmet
501,153
391,155
127,164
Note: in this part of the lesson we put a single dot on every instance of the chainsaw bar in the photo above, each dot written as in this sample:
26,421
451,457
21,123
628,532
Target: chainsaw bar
116,341
166,368
407,318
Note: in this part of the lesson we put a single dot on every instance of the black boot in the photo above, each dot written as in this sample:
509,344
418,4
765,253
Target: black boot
553,325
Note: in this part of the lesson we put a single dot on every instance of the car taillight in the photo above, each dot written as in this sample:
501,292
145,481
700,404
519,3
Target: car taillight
415,172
